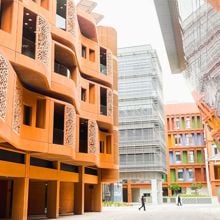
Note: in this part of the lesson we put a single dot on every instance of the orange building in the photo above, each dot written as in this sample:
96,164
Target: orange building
58,115
185,148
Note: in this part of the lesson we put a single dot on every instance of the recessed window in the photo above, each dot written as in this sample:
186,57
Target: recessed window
83,51
177,139
188,139
188,123
191,156
91,93
29,34
108,145
103,101
103,61
102,147
45,4
6,11
91,55
178,157
58,124
180,174
83,94
177,123
83,136
27,117
40,113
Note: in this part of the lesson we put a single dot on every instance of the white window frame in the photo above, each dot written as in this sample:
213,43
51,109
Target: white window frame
177,123
177,139
188,122
188,139
178,153
180,171
191,156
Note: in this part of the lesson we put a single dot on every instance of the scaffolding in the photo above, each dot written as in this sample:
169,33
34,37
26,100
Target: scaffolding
141,114
201,41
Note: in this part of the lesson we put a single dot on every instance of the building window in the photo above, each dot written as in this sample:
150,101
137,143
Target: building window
177,139
58,124
83,94
60,64
214,150
180,174
27,117
178,157
191,156
83,51
83,136
177,123
91,55
61,14
188,139
188,122
103,101
190,174
103,61
6,10
29,34
102,147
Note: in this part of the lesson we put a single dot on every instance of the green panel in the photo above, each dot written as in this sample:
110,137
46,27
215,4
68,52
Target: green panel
198,122
183,122
193,122
199,156
164,177
185,158
173,175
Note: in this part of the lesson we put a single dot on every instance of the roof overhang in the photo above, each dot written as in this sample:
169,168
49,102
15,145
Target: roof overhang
168,16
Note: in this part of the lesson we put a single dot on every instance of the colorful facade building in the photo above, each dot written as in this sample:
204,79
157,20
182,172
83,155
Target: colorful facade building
58,115
185,148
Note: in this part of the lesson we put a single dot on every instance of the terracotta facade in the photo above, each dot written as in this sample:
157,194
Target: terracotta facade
59,106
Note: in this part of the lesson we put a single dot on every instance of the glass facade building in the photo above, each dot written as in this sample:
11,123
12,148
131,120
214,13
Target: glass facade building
141,115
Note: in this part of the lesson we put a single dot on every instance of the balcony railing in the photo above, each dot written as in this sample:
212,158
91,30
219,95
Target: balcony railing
28,47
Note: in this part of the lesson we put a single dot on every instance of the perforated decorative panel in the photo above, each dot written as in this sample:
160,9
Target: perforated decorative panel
92,137
4,70
70,125
109,102
71,17
109,64
17,108
43,41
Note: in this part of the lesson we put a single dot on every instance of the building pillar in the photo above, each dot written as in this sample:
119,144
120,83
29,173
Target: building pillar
129,191
53,193
79,193
97,197
154,192
159,191
20,198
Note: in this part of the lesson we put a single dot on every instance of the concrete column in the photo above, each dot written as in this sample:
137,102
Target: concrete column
53,193
159,191
154,193
20,198
79,193
129,191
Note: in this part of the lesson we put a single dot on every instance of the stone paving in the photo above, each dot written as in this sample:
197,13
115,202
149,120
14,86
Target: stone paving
163,212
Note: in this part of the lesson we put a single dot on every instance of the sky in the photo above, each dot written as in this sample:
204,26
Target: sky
136,23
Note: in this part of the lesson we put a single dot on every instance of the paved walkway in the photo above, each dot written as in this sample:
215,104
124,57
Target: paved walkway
163,212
